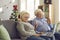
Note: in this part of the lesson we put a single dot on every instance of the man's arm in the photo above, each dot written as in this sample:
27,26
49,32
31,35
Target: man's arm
49,23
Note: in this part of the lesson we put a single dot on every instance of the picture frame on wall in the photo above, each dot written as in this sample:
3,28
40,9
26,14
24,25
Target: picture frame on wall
47,1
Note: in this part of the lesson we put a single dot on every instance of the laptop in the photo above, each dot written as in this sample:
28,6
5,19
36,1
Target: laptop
50,34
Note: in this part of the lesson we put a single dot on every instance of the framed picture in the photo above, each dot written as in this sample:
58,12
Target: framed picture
47,2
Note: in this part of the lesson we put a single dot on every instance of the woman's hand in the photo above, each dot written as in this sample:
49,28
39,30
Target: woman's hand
41,32
37,35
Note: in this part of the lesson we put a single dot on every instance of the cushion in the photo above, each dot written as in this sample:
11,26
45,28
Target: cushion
16,39
11,27
0,22
4,35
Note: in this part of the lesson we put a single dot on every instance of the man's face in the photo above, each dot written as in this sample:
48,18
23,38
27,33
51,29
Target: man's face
39,15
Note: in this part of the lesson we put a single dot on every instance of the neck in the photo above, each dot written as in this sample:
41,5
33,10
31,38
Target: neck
39,17
24,21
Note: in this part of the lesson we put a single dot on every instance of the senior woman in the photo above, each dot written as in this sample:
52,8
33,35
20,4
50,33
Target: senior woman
26,29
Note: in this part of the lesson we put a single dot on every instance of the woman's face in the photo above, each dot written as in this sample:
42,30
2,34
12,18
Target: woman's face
25,17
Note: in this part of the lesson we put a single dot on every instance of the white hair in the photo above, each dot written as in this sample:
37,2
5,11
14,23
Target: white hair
23,12
38,10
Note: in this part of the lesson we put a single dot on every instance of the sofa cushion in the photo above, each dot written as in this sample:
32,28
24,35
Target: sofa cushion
0,22
16,39
11,27
4,35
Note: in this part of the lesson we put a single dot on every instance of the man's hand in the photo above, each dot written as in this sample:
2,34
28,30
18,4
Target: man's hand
35,24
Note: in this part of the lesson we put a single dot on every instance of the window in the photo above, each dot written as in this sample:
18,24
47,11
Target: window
30,6
23,5
1,9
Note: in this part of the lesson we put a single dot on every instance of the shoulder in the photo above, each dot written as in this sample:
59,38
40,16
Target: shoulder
35,19
45,19
20,23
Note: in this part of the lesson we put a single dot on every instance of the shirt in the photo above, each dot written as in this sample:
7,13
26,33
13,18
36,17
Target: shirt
42,25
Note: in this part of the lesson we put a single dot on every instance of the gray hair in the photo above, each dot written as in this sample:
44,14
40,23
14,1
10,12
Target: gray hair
38,10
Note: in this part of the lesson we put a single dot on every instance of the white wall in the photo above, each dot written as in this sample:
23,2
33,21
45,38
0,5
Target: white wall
41,2
5,15
55,3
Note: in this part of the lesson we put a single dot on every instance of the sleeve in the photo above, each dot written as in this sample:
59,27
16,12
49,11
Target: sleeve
33,22
51,26
21,29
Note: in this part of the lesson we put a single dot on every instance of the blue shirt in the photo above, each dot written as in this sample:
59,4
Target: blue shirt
42,25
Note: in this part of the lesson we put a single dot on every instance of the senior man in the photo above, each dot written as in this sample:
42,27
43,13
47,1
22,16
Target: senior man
41,23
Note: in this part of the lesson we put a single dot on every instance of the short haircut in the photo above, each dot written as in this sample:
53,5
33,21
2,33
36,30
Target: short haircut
38,10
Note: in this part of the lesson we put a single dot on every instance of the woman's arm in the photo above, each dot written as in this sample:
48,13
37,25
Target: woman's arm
21,29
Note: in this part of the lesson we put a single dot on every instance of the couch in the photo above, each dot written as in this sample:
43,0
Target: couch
11,27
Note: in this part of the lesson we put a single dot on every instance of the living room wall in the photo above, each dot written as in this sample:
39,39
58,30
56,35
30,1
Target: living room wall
7,12
56,10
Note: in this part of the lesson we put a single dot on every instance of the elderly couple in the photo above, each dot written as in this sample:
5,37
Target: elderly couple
33,31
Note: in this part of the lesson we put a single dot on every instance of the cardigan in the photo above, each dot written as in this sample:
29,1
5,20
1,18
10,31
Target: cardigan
25,29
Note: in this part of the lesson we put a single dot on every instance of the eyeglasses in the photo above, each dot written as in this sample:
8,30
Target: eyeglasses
26,17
